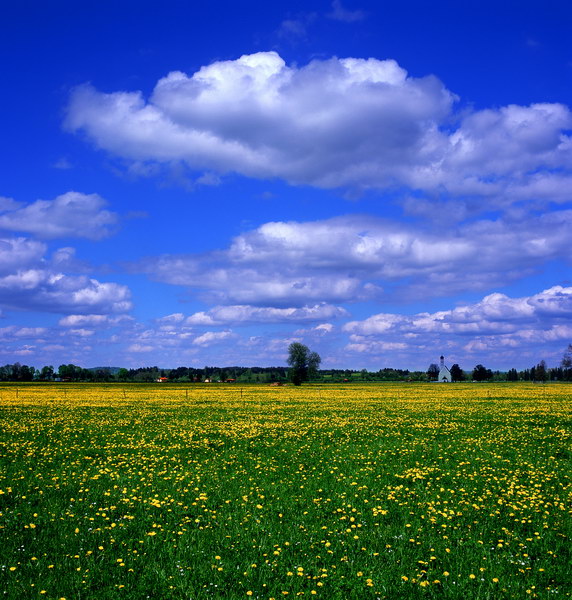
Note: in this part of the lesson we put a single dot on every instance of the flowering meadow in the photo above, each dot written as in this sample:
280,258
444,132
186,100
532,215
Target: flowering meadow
350,491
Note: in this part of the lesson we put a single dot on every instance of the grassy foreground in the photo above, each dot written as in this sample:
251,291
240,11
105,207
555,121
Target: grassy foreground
349,492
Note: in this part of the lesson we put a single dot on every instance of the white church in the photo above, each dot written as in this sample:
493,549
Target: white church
444,373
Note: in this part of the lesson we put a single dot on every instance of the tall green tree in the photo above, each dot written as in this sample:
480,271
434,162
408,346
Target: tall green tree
481,373
433,372
47,373
541,374
457,373
303,362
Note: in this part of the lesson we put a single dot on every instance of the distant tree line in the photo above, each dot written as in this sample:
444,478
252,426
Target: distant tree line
71,372
539,373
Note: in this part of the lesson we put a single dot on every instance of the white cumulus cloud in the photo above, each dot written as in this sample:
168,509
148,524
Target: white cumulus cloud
212,337
221,315
349,259
541,317
93,320
339,122
72,214
41,289
19,253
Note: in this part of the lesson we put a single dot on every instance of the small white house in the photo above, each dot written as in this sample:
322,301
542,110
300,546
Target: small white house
444,373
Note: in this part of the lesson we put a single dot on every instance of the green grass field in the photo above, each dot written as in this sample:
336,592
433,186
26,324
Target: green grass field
349,492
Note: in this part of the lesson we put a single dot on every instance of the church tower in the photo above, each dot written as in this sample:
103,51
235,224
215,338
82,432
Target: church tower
444,373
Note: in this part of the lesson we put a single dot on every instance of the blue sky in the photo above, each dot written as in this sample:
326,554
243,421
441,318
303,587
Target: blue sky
203,183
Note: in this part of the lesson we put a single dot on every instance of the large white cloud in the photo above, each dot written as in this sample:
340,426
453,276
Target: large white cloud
293,264
72,214
358,123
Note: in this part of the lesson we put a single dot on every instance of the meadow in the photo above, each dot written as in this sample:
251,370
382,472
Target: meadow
350,491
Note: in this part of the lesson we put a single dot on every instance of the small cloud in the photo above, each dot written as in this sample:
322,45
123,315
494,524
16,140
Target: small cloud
92,320
63,164
82,332
53,348
173,318
212,337
292,28
64,259
139,348
374,347
30,331
24,351
72,214
321,330
339,13
137,214
296,27
209,178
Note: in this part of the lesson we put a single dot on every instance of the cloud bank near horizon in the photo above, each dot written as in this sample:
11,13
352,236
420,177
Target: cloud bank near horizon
497,328
358,258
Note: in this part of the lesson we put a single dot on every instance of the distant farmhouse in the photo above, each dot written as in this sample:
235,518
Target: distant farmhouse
444,373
